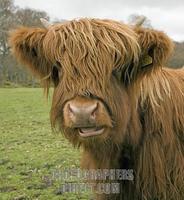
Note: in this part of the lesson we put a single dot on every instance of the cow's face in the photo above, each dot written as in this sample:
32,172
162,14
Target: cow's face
90,101
85,109
91,64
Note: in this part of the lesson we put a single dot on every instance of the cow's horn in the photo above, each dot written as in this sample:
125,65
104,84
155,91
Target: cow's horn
140,21
45,23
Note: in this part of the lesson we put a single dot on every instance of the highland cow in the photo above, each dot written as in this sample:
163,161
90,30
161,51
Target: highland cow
114,98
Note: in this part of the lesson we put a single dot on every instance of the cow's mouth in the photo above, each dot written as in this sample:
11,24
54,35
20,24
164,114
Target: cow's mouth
90,131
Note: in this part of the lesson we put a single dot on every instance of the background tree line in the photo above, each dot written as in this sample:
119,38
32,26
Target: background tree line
11,16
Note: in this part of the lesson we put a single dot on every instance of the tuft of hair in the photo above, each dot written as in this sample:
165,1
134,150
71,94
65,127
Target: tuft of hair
90,47
95,46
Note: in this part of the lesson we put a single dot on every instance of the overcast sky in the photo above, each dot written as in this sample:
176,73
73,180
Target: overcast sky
166,15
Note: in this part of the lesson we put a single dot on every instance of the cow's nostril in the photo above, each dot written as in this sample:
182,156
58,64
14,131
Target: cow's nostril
93,113
72,109
91,109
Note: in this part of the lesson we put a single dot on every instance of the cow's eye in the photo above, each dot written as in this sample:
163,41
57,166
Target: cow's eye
117,73
56,73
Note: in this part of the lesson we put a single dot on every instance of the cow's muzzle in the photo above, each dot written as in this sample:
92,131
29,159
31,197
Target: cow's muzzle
89,116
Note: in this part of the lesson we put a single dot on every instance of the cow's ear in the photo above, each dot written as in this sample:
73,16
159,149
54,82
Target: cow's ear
156,47
27,46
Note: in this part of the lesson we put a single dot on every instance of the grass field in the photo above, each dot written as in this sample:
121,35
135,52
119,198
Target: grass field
29,152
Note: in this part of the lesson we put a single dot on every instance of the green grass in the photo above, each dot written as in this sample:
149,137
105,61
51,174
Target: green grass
29,152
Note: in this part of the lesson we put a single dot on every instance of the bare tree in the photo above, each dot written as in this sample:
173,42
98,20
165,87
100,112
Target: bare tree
6,19
30,17
10,17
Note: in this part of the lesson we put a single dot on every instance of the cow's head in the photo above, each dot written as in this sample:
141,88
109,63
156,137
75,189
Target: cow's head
92,65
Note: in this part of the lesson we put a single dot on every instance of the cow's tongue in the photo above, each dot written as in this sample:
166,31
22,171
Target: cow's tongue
86,132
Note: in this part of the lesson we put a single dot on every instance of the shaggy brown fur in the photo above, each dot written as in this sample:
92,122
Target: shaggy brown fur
104,59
